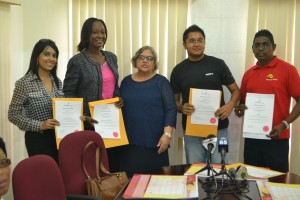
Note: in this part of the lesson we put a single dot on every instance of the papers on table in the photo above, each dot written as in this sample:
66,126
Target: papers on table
280,191
67,111
195,167
253,172
263,190
144,186
256,172
203,121
259,115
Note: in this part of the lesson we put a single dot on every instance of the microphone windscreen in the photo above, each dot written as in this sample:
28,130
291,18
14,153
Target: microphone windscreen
232,172
210,136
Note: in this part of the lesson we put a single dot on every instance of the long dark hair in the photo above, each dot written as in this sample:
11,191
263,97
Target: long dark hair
86,31
2,146
37,50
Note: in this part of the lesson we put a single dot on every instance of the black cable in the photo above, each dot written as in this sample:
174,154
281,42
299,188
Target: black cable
235,187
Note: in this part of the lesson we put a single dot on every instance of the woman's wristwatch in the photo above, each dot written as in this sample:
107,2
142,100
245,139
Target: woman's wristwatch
168,134
179,110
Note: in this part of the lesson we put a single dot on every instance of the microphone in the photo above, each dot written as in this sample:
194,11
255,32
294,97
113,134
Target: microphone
241,172
223,145
223,148
210,143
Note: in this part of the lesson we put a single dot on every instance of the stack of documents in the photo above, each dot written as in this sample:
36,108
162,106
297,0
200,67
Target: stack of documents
253,172
278,191
256,172
196,167
162,187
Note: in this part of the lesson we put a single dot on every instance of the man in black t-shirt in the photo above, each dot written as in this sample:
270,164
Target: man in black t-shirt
202,72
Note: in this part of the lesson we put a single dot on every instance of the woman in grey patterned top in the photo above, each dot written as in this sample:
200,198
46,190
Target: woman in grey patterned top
31,105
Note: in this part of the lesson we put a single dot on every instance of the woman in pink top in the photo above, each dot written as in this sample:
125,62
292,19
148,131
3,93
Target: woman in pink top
92,74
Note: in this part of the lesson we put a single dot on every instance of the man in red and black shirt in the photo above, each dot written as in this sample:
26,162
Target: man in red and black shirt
271,75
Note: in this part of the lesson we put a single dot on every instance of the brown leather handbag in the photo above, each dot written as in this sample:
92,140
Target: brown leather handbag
108,186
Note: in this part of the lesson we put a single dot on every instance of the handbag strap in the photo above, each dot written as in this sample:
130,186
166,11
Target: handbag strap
98,156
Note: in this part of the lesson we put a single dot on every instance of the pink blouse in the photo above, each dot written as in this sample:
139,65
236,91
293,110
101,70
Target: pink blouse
109,81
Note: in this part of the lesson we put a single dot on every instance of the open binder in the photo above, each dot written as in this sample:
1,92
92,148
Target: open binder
145,186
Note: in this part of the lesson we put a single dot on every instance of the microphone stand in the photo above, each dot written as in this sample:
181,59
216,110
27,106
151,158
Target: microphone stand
208,166
223,170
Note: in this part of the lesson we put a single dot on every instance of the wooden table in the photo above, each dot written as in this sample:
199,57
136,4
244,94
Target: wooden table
253,192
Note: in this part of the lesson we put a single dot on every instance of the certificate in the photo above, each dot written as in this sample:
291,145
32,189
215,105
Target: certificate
203,122
110,122
67,111
206,102
258,117
108,125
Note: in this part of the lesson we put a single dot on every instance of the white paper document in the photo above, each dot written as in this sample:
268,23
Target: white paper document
206,102
281,191
108,125
261,173
258,117
167,186
68,113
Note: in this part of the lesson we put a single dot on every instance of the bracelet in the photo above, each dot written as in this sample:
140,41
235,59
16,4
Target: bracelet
168,134
286,124
179,110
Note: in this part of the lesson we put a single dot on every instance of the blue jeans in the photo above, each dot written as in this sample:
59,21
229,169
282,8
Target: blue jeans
196,152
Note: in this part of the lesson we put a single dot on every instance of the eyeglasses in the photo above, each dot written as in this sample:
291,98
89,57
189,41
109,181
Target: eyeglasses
193,41
263,45
142,58
5,162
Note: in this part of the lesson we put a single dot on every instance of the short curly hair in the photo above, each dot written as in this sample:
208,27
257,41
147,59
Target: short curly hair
141,50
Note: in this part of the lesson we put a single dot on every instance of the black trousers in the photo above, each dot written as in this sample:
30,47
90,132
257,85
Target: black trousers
140,160
41,143
273,154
